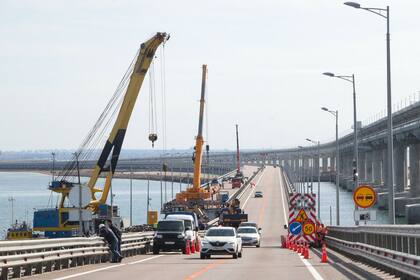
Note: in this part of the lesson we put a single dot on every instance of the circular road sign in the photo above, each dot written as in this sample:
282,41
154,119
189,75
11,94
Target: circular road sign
364,196
308,228
295,228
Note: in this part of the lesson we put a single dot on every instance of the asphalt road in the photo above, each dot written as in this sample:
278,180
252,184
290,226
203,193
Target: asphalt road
268,262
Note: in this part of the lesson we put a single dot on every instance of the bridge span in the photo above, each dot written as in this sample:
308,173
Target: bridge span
270,261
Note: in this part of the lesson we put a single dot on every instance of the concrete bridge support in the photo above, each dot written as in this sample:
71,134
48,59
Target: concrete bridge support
332,163
414,170
362,167
376,166
399,165
369,163
324,164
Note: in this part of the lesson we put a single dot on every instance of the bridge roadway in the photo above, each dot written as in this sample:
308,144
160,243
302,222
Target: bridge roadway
270,261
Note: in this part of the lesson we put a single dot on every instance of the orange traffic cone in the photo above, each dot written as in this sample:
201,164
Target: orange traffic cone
324,254
302,250
299,250
187,248
197,245
291,245
295,246
192,247
306,255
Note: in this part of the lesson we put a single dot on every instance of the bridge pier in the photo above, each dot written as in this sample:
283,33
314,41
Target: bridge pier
399,167
414,170
376,166
369,163
362,167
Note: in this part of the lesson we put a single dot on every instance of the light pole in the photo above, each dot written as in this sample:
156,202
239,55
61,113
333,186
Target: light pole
350,78
319,177
337,164
379,12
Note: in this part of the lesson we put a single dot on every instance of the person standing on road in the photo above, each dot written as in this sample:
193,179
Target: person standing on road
118,234
112,241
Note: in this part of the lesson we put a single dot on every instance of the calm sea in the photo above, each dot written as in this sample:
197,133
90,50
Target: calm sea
28,191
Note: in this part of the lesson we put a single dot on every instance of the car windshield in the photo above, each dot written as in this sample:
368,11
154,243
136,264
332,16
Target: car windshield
258,192
177,226
248,225
247,230
220,232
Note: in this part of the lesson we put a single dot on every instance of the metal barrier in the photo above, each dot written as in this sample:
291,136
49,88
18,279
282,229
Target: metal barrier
28,257
395,248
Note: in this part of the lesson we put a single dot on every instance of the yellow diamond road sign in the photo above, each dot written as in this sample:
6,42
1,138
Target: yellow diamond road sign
364,196
301,216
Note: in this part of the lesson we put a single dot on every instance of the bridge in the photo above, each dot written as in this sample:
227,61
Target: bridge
364,252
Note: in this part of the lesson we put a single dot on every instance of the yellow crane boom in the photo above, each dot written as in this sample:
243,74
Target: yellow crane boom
115,140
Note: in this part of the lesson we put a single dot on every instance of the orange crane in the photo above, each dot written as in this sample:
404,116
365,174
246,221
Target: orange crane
196,192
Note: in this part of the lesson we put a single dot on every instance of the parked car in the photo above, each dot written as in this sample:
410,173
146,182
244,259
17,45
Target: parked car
250,236
191,231
258,194
170,236
221,241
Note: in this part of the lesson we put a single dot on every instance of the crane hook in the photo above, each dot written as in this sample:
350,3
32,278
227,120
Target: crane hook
153,137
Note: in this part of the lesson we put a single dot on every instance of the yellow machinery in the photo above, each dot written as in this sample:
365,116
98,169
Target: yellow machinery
55,222
196,192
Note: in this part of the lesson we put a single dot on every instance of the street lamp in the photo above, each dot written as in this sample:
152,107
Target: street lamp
350,78
337,164
379,12
319,177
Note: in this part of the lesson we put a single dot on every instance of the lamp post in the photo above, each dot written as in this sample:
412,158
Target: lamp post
379,12
319,177
337,164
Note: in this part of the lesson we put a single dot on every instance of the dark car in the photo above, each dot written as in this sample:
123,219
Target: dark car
170,236
258,194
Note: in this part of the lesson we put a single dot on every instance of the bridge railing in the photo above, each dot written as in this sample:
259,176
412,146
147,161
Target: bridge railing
395,248
29,257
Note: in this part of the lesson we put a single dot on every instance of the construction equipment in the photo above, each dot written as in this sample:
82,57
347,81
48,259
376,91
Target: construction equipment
237,180
196,193
79,205
233,215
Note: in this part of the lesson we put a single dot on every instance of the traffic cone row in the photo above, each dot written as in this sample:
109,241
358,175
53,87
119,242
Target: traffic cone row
299,247
192,247
197,245
324,258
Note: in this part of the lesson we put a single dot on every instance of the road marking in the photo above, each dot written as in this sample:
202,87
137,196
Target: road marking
105,268
311,269
148,259
282,198
204,270
259,179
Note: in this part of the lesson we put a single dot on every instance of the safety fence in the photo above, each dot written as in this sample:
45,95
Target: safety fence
29,257
393,248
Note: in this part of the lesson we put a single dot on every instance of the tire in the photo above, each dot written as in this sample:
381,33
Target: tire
202,256
258,245
235,255
184,251
208,256
240,254
155,251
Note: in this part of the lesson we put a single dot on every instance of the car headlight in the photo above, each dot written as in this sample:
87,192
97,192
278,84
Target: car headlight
231,243
204,242
158,236
181,235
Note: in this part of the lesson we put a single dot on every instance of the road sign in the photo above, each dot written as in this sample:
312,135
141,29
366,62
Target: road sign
301,216
308,227
365,215
295,228
364,196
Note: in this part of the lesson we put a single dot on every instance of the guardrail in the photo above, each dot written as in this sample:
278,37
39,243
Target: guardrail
29,257
395,248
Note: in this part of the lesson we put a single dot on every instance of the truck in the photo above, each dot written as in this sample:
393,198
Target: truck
232,215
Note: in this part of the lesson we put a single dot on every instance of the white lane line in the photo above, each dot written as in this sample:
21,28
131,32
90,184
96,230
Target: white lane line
105,268
144,260
259,179
311,269
282,198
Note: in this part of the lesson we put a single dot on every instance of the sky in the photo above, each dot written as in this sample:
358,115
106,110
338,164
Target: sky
60,62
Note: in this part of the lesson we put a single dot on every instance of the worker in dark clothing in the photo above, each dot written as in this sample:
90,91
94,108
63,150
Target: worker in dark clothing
118,234
112,241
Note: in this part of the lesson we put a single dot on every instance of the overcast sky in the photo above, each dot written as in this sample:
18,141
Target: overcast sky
60,62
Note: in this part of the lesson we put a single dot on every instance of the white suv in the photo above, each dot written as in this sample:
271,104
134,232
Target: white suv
221,241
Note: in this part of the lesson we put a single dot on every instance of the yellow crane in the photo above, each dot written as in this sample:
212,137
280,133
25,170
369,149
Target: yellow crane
55,222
